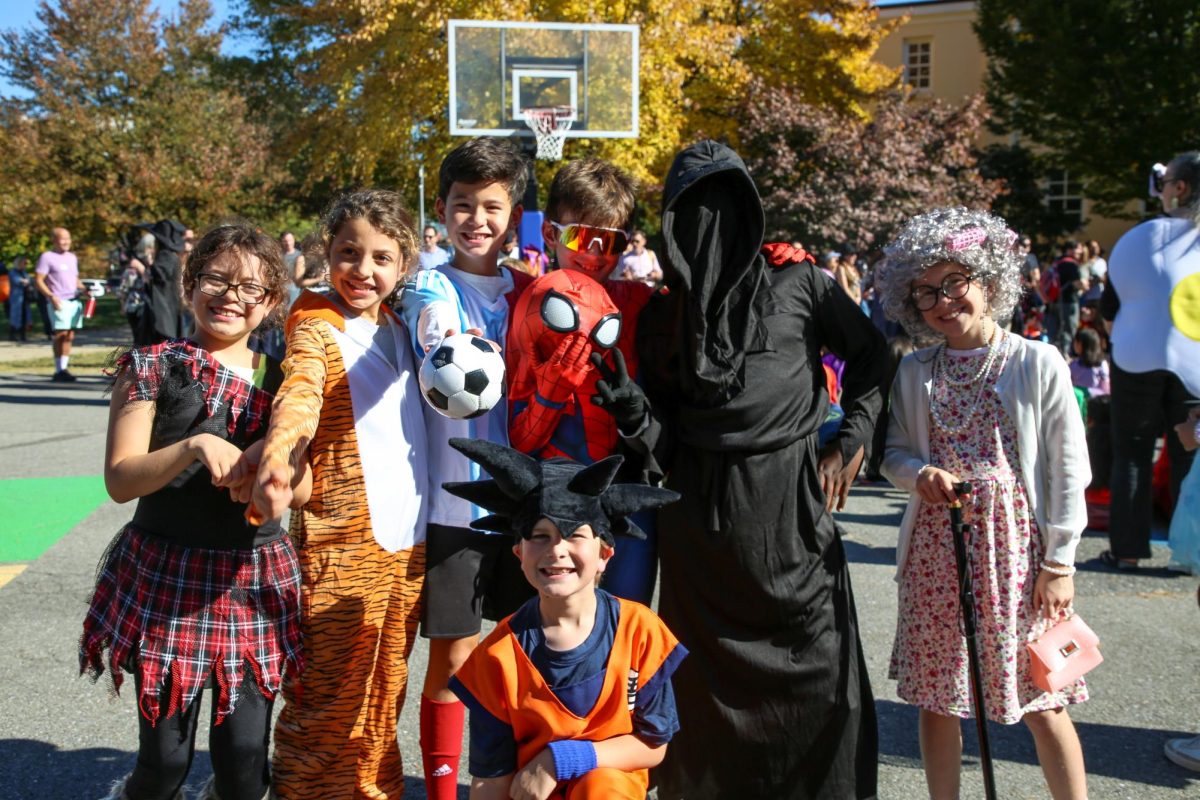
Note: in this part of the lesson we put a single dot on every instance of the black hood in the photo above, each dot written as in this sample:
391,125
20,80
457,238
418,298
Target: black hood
713,226
167,232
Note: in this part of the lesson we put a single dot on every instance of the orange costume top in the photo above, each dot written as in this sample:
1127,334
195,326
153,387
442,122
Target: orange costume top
350,404
503,681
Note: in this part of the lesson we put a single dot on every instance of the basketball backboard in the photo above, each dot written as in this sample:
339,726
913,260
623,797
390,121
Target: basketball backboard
498,69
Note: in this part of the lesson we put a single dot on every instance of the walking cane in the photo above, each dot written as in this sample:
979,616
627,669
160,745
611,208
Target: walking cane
961,532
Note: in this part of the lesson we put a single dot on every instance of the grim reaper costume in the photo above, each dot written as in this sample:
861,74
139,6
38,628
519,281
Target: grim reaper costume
775,700
162,319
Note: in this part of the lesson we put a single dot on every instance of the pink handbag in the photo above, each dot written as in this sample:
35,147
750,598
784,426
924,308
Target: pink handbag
1064,653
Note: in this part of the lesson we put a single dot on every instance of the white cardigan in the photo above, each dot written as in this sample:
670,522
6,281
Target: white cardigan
1035,389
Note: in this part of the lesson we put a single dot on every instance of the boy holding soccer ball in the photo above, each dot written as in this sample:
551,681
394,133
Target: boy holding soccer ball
470,574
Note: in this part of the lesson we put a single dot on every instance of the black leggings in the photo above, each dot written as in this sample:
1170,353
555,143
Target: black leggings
238,746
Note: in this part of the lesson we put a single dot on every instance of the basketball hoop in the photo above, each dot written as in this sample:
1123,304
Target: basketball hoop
549,125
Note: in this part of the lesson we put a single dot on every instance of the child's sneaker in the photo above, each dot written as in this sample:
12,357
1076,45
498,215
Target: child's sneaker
1184,752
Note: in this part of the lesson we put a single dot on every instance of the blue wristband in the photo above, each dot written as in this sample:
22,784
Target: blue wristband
572,758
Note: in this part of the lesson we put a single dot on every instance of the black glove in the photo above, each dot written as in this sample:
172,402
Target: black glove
618,395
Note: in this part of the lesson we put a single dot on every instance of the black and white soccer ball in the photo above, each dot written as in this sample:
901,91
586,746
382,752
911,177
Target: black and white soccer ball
463,377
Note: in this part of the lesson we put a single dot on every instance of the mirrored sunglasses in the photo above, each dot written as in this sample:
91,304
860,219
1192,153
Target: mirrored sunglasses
581,238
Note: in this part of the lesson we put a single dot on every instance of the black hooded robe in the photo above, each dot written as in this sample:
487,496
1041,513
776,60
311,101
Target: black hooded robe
774,701
162,319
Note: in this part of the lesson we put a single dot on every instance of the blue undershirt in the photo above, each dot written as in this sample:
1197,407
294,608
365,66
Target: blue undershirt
576,677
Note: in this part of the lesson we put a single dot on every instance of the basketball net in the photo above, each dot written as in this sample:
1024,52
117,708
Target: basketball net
549,125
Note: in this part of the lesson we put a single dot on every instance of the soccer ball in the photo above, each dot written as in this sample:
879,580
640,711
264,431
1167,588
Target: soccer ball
463,377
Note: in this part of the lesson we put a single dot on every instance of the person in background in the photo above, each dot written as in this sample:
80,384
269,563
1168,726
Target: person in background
1096,264
310,266
20,299
1025,249
1089,368
163,319
291,262
431,254
57,279
536,262
1072,283
639,263
1184,541
509,248
133,288
1148,377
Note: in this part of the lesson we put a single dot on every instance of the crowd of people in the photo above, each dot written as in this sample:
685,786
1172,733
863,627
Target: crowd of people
666,420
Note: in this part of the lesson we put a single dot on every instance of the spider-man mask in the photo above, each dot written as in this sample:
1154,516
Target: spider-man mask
560,304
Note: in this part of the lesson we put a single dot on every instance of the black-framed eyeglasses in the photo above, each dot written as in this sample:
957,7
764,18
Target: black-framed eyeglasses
215,286
954,286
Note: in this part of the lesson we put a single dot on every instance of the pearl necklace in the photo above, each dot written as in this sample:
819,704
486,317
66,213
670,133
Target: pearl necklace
987,364
939,375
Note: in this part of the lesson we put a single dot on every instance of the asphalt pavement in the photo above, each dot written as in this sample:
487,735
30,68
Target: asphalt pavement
62,737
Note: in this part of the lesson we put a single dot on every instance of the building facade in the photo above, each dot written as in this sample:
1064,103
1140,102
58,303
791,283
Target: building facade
936,47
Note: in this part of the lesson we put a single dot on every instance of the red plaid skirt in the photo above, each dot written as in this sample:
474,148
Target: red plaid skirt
166,609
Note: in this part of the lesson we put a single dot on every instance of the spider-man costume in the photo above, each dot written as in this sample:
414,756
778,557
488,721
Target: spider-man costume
559,321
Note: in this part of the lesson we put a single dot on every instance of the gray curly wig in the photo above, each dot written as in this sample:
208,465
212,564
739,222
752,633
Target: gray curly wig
981,242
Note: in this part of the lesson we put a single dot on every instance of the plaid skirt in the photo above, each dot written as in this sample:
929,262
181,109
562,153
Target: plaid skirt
188,614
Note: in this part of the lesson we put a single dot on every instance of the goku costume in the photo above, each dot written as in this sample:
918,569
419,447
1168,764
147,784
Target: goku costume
524,698
774,701
501,680
350,402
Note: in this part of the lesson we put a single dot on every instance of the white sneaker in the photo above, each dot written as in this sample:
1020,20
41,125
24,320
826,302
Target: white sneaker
1184,752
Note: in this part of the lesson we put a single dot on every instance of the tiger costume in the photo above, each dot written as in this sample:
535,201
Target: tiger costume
350,402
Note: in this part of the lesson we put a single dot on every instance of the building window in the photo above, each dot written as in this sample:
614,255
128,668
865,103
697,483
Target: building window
1065,195
918,63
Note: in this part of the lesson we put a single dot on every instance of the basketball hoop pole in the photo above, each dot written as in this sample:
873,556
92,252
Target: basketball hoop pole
421,193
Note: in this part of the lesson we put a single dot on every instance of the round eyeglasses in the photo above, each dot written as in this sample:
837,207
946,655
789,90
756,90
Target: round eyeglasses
215,286
954,286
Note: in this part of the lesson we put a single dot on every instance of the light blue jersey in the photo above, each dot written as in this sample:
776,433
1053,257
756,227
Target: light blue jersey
435,301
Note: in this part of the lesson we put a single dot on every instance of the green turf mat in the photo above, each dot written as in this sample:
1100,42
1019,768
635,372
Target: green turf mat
37,512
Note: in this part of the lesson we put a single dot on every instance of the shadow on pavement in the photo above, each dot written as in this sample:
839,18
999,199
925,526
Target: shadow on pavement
857,553
53,401
38,769
1120,752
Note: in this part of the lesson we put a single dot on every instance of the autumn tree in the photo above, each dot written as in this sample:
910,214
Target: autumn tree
123,122
834,180
372,76
1108,86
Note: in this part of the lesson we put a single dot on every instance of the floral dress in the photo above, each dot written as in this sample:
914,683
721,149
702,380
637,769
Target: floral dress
929,658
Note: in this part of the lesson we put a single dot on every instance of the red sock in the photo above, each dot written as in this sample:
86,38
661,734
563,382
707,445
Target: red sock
441,746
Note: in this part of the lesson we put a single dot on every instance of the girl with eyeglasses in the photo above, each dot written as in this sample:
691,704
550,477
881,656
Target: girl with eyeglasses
998,410
190,594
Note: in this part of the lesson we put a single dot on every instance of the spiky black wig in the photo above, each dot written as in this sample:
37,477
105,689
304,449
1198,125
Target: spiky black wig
523,490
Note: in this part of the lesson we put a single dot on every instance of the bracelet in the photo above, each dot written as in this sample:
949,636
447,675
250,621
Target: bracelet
921,471
573,758
1062,572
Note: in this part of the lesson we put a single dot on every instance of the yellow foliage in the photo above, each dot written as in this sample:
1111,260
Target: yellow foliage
378,75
